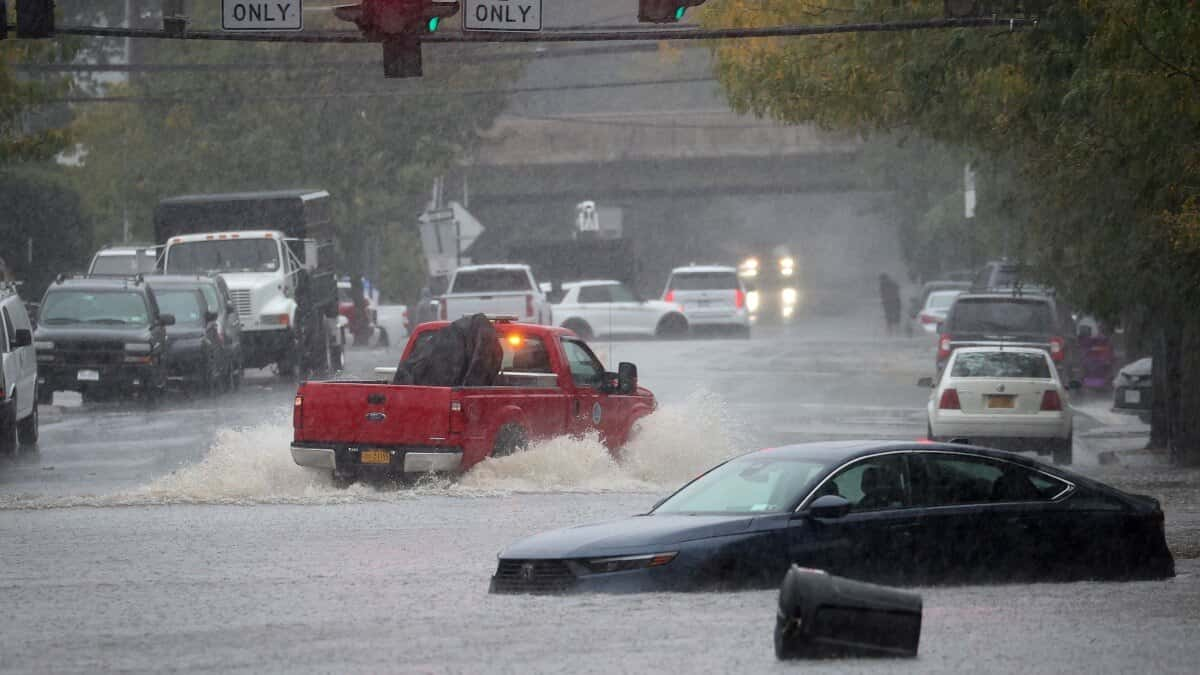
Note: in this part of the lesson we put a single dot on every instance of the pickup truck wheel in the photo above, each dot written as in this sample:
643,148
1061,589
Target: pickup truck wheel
581,328
45,395
672,326
510,439
27,429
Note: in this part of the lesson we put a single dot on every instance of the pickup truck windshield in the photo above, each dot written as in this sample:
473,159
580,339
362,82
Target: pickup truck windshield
1001,316
228,255
491,281
117,308
184,304
752,485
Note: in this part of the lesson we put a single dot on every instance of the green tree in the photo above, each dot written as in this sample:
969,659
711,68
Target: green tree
1090,122
375,144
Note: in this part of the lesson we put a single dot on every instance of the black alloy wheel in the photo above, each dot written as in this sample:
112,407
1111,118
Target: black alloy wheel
9,442
672,326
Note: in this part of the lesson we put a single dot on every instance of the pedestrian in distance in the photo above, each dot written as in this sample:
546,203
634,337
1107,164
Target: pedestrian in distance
889,295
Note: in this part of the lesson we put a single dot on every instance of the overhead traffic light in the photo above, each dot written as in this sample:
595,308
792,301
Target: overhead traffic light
399,25
664,11
35,18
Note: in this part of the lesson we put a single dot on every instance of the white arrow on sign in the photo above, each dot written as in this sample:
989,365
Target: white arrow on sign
502,15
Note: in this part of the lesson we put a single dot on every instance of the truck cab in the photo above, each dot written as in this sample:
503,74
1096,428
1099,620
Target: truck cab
275,252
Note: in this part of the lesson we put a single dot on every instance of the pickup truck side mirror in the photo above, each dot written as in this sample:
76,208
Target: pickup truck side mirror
627,378
23,337
209,317
827,507
166,319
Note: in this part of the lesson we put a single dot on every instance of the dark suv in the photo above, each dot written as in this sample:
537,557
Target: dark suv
99,335
205,343
1016,319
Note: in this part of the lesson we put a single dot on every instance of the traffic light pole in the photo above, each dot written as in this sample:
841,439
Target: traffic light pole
402,55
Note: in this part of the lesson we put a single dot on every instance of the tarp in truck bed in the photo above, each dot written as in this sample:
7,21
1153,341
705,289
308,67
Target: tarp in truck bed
302,214
466,353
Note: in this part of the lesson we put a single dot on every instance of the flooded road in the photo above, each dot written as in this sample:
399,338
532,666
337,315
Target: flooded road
185,538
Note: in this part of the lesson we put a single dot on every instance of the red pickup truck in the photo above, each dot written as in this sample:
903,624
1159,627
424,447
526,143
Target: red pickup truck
550,384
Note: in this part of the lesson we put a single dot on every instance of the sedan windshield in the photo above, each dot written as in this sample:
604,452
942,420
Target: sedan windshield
119,308
227,255
754,484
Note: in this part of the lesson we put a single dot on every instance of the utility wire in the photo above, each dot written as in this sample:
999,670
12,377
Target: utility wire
199,96
653,34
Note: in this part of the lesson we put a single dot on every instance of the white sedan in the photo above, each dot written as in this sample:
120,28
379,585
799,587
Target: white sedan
1010,397
596,308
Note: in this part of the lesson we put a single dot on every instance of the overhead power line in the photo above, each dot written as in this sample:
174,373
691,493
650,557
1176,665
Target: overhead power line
653,34
208,97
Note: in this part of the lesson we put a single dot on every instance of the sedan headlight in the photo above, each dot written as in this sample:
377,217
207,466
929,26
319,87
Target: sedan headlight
137,347
629,562
789,296
43,344
752,301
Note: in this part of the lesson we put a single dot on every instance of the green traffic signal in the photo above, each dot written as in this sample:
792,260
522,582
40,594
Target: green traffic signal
679,12
434,21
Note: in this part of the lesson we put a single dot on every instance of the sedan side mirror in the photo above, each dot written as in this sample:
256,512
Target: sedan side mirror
166,319
926,382
627,378
23,337
828,507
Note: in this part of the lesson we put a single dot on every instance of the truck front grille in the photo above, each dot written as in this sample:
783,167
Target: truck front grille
90,353
242,300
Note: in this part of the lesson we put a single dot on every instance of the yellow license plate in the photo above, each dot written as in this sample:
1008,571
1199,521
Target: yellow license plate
375,457
1006,402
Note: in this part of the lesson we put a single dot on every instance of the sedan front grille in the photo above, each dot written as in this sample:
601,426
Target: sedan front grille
241,299
532,576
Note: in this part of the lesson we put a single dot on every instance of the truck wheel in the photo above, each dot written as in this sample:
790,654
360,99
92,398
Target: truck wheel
510,439
581,328
1064,449
27,429
672,326
45,395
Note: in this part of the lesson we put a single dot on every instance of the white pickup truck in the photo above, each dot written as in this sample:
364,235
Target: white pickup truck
501,290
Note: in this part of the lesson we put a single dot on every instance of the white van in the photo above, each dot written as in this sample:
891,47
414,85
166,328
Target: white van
18,376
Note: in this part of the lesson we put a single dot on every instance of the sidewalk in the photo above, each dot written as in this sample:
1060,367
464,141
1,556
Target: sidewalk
1114,438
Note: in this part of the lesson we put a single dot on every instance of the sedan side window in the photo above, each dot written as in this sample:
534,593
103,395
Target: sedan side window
872,484
948,480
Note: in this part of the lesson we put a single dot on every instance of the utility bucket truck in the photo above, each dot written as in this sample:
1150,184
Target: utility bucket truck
276,253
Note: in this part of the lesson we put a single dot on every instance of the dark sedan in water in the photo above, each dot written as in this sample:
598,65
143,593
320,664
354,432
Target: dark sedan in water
904,513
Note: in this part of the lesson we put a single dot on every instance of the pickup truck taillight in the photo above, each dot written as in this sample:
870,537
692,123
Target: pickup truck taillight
943,348
1051,401
949,400
458,421
298,413
1056,348
529,306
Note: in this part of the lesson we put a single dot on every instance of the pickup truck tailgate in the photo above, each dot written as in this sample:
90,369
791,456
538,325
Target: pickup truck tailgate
357,413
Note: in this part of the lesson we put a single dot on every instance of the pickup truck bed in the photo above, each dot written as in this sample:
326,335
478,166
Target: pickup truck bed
365,428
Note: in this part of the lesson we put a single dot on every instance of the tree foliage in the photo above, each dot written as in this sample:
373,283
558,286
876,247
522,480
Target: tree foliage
375,144
1090,123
